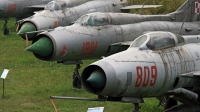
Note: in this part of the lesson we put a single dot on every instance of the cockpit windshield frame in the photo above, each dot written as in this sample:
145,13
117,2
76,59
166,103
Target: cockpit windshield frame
154,41
139,41
160,40
83,19
53,6
94,19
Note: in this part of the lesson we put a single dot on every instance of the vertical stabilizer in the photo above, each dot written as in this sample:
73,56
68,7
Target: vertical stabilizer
190,9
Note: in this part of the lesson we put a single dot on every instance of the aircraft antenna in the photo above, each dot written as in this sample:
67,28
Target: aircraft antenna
181,26
142,8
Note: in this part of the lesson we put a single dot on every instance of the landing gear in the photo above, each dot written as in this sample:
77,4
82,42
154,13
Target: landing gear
162,100
76,78
166,102
170,103
136,107
5,28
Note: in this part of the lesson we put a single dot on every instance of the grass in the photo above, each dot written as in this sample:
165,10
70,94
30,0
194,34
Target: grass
167,6
31,82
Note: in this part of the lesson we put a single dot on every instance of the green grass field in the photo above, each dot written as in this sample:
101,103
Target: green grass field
31,82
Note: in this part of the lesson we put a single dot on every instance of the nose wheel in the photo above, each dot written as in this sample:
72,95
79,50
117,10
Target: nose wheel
76,78
136,107
5,28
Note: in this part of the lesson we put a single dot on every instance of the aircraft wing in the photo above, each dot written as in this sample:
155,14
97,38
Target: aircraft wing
140,6
38,7
191,74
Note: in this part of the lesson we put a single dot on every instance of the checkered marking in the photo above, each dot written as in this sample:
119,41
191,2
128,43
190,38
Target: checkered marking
197,8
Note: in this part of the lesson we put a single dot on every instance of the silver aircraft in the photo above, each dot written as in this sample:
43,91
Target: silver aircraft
19,9
25,8
156,64
57,14
96,35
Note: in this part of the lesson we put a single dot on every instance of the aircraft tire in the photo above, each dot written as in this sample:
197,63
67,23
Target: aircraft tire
77,83
170,103
6,31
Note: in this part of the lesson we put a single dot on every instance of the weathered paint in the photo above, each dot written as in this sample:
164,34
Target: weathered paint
77,34
46,19
19,8
153,73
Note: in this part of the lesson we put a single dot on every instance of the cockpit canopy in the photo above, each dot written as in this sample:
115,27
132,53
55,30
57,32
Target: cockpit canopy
94,19
55,5
157,40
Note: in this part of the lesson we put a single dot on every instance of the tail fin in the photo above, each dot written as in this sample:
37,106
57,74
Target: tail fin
190,9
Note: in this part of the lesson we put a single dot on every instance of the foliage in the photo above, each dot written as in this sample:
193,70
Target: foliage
167,6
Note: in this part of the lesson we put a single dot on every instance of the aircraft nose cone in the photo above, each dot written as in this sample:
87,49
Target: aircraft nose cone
97,79
27,27
42,47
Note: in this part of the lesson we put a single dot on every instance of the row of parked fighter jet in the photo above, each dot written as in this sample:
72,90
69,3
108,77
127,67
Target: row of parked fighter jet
147,56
